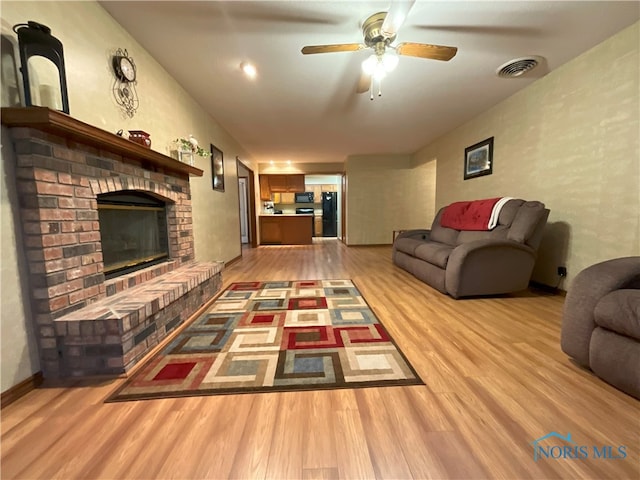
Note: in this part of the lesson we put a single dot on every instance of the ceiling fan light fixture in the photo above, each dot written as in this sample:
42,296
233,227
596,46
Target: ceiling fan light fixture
369,65
379,65
249,69
390,61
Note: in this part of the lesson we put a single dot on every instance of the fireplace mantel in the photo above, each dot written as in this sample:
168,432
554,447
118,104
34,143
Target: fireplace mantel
63,125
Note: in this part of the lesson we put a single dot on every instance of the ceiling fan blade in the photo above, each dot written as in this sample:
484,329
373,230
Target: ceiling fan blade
423,50
395,17
339,47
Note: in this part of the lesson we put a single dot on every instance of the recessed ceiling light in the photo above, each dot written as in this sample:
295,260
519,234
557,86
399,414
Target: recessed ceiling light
270,162
288,162
249,69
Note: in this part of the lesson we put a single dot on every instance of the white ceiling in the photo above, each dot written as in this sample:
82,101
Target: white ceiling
305,108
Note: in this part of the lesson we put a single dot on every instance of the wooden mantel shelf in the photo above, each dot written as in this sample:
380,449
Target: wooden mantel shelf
63,125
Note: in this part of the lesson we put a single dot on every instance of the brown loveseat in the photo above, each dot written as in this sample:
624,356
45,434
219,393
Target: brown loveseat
601,322
468,263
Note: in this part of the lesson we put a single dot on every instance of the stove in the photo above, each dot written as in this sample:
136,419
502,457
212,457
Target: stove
304,211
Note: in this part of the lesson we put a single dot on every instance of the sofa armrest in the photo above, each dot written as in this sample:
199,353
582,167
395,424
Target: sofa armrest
489,267
586,290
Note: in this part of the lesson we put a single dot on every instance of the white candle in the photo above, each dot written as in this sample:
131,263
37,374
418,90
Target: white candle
50,97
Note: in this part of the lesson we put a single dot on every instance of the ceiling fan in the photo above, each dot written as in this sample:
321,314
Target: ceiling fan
379,31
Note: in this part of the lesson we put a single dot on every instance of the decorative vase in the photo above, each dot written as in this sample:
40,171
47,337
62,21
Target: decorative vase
140,137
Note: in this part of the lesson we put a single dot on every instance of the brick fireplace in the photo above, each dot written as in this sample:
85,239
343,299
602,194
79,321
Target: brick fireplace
86,325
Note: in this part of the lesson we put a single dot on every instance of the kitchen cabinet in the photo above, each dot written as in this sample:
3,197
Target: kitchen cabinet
284,183
288,198
295,183
270,184
265,191
277,183
286,229
329,188
317,192
270,230
318,225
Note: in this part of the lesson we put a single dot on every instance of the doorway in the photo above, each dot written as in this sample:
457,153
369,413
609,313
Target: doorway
244,213
247,205
328,202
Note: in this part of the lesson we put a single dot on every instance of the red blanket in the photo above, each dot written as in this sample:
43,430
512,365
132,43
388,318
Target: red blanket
472,215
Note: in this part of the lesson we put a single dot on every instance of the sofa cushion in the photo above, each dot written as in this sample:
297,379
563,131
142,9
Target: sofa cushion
434,253
498,233
442,234
508,211
526,221
407,245
619,311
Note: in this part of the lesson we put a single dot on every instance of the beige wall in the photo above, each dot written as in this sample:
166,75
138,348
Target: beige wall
90,36
386,193
569,140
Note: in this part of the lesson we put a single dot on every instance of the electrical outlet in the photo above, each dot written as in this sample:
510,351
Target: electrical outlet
562,271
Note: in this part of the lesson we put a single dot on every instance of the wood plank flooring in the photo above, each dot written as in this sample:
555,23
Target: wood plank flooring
495,377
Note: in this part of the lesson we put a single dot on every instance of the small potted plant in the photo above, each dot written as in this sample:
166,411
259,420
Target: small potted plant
187,148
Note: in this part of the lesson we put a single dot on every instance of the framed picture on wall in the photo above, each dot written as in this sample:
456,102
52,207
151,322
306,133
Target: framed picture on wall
217,168
478,159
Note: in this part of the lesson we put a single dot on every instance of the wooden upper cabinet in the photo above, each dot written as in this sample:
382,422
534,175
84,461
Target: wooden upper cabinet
287,198
295,183
265,191
280,184
317,193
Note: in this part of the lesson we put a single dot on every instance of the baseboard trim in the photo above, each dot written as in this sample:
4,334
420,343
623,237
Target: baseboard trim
363,245
21,389
233,260
547,288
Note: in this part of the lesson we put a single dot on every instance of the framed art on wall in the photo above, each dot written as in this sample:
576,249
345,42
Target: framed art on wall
217,168
478,159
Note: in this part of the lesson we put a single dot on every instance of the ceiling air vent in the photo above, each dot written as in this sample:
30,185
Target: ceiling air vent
517,67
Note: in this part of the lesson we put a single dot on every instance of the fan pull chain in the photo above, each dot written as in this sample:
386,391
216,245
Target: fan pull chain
371,88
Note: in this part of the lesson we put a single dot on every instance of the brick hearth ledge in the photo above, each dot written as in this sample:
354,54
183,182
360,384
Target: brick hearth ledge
110,336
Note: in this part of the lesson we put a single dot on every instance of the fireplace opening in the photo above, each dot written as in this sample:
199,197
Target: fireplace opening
133,229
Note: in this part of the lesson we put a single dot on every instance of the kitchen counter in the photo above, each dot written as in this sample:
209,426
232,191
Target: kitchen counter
286,214
286,229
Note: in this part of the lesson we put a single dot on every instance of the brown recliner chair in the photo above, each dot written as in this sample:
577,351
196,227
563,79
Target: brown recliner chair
601,322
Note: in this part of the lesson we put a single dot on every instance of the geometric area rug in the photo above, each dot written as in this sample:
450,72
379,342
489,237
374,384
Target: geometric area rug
275,336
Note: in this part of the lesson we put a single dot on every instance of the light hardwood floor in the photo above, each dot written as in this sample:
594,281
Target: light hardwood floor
495,377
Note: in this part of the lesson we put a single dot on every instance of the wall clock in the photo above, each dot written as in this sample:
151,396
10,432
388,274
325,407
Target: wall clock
124,68
124,87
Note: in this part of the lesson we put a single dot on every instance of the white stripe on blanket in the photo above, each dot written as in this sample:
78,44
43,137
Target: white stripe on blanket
495,213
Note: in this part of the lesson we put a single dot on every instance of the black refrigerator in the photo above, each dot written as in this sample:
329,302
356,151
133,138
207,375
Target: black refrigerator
329,214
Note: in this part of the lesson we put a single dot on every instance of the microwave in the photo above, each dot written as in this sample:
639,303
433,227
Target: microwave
305,197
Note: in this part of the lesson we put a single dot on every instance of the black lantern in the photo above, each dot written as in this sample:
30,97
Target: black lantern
35,39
